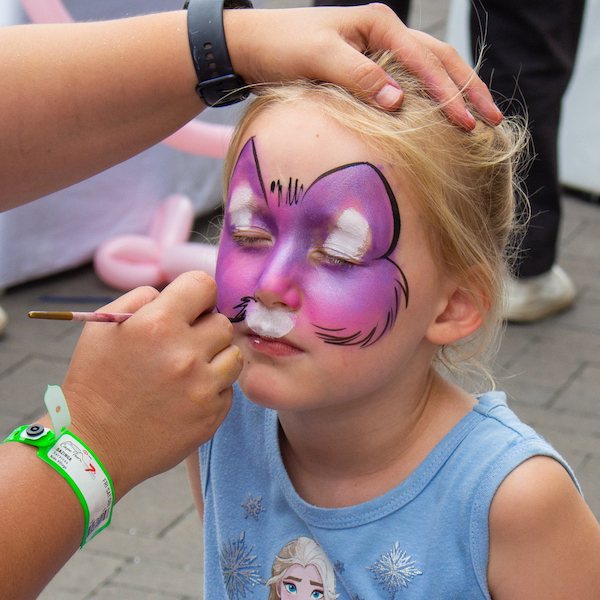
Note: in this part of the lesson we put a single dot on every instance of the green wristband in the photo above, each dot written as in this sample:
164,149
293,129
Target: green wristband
70,457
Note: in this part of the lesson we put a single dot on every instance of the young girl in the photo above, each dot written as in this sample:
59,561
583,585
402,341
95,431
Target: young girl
359,249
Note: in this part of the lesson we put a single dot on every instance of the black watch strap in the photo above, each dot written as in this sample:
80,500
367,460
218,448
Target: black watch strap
217,85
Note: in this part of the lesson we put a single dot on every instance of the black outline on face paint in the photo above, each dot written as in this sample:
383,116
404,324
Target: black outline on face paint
291,198
243,305
257,165
328,335
357,338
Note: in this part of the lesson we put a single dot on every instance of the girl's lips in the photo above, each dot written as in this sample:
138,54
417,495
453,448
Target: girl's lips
272,347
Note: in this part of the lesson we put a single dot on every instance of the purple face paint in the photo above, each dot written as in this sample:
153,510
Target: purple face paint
321,252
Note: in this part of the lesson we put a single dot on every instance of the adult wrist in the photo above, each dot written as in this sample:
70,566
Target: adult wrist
73,460
218,84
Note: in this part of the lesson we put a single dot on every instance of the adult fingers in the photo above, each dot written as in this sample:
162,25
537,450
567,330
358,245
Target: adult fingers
229,363
328,45
131,301
214,332
442,70
188,296
464,78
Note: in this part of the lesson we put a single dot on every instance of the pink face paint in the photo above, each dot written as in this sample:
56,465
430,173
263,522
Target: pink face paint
320,251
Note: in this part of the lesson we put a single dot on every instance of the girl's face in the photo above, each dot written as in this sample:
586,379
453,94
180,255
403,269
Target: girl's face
318,266
301,583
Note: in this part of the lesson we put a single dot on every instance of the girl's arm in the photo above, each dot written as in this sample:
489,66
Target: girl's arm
192,465
79,98
544,540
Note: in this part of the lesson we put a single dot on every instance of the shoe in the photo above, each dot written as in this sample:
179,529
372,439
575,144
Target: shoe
3,319
532,299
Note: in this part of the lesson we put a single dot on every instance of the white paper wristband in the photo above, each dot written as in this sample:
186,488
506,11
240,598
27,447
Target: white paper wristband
84,472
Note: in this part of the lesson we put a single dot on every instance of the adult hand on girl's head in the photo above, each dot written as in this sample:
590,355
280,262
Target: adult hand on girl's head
145,393
327,43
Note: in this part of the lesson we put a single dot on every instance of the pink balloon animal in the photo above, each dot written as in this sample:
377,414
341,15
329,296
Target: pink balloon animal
128,261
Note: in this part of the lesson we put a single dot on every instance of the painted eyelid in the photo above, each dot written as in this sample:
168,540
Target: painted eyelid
351,237
252,238
237,230
342,253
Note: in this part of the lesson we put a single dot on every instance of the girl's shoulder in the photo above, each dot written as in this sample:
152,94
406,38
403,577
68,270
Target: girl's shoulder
544,540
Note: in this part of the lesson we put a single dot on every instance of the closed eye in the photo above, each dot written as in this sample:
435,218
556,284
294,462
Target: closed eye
333,258
252,238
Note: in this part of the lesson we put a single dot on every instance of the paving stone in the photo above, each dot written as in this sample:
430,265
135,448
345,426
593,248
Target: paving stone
513,345
22,390
182,549
152,509
524,392
589,473
86,572
120,592
155,578
582,394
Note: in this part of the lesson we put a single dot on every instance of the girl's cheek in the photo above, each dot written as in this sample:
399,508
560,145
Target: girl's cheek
235,278
357,301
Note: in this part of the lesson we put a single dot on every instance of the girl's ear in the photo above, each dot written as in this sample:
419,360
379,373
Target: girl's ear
460,316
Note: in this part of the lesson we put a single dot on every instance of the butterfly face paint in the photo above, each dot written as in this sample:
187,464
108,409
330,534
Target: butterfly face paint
311,255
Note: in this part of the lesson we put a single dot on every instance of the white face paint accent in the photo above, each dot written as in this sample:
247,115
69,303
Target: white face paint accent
269,322
240,206
352,236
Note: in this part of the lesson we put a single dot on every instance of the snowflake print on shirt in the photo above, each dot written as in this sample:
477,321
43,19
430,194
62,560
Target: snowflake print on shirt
394,570
240,569
253,507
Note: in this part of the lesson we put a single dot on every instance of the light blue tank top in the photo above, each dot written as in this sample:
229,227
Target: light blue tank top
425,539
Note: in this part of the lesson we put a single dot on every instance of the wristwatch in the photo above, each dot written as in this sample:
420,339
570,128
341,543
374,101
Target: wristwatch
217,85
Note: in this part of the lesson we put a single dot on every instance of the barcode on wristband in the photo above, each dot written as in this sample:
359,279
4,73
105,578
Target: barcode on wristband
97,523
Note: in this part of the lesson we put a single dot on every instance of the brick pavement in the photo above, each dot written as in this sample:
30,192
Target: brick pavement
153,548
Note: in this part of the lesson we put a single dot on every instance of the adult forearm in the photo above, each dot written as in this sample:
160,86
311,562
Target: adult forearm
42,522
79,98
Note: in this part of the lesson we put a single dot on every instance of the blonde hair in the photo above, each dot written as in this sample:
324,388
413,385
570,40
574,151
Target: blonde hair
304,552
465,185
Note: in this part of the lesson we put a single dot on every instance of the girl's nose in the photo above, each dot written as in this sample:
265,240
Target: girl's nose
278,284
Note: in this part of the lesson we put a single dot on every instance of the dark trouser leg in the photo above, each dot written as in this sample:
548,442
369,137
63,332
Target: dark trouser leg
530,52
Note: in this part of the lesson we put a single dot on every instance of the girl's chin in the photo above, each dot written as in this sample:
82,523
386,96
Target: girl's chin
268,390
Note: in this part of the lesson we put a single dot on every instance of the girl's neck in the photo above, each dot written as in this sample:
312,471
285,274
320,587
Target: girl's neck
337,458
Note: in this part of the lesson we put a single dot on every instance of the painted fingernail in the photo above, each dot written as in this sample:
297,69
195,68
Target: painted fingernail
389,96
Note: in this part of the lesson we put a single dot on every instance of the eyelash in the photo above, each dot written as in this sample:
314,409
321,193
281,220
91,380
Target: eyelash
335,260
252,238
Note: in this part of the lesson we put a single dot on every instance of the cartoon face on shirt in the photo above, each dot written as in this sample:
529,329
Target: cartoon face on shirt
320,250
301,583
